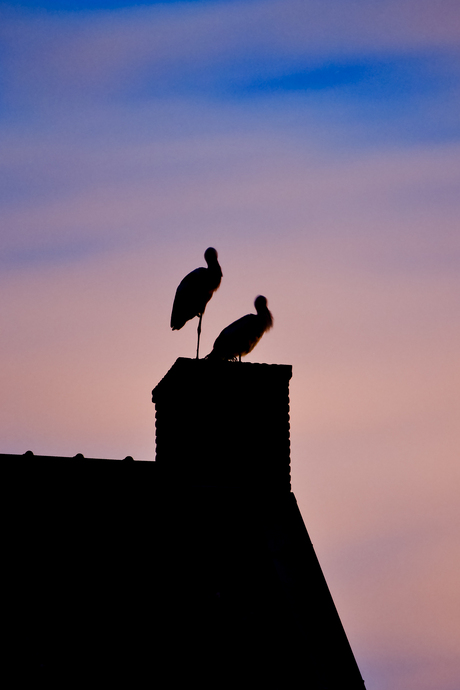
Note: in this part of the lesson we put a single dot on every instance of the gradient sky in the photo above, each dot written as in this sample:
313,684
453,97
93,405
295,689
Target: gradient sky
316,145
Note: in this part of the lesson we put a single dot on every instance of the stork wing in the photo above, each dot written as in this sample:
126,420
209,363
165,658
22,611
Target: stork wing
239,338
191,298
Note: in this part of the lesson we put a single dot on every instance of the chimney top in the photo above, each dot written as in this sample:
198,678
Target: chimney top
185,370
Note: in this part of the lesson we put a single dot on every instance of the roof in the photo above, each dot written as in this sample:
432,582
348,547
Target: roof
115,571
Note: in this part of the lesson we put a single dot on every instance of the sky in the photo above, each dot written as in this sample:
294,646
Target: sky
316,145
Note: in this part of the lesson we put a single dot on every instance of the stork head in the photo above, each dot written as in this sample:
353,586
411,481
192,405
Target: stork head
260,303
263,312
210,255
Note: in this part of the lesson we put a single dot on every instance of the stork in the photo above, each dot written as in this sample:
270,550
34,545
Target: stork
194,292
241,337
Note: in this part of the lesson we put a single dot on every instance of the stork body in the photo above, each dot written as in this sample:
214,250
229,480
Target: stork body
241,337
194,292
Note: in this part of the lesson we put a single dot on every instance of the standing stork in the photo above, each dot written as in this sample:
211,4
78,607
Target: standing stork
194,292
241,337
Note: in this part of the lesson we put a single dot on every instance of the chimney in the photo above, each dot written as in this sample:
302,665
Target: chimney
224,423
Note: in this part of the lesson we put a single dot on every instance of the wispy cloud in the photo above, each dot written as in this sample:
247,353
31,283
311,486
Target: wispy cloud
199,43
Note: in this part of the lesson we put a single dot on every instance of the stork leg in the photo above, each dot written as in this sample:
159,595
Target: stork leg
199,333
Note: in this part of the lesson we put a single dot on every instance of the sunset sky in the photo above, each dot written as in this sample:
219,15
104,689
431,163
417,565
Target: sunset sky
316,145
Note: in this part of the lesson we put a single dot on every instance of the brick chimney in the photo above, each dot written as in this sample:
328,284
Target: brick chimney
224,423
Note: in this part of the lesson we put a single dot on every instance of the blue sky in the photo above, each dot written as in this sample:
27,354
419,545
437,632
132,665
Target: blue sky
316,145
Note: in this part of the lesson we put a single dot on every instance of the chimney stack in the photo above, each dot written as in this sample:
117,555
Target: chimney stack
224,423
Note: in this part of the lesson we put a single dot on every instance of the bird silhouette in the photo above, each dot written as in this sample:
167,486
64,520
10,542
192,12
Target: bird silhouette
242,335
194,292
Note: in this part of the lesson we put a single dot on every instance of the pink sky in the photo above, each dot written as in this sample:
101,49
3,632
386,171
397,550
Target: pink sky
131,141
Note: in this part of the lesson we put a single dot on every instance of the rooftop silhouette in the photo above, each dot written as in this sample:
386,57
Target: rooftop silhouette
197,565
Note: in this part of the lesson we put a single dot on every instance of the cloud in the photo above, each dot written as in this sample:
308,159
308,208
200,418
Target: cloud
193,45
79,196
